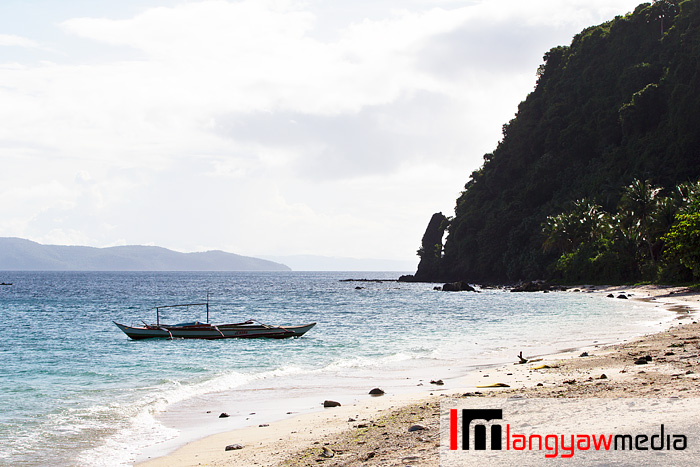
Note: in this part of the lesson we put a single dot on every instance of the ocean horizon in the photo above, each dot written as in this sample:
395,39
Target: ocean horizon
76,391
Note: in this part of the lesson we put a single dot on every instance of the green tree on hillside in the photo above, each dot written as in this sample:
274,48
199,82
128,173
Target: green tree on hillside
683,241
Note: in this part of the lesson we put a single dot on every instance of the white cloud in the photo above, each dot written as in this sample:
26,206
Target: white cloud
11,40
278,135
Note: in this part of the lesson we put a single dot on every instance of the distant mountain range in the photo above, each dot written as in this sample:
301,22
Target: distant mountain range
17,254
333,263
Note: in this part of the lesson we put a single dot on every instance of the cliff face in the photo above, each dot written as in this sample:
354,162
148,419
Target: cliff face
621,102
431,249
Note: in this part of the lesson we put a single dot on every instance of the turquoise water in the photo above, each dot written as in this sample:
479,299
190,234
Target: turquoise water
75,391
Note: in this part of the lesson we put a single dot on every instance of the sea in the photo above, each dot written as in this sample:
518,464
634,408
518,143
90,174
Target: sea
75,391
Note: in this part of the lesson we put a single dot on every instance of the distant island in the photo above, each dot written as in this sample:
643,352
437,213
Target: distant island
335,263
17,254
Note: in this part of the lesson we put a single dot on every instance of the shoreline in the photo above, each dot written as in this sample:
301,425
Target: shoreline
382,422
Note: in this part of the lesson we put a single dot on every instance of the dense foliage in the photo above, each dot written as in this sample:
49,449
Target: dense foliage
683,242
651,237
621,103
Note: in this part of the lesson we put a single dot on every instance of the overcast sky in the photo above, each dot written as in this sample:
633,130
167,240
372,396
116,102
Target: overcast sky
260,127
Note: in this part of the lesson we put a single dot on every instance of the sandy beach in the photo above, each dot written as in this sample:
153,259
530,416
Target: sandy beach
375,431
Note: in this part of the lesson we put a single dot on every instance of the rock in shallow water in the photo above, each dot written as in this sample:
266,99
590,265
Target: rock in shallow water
458,287
532,286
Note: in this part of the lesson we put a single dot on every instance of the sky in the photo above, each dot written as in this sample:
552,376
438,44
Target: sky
260,127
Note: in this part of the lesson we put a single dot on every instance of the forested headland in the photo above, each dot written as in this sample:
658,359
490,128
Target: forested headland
596,177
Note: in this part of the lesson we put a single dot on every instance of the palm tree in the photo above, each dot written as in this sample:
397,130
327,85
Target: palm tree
639,207
558,233
686,195
666,9
584,222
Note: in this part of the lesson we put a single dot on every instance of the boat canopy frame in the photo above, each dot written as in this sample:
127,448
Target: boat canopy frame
158,308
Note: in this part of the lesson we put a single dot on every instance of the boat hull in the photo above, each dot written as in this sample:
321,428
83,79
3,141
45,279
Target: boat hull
207,331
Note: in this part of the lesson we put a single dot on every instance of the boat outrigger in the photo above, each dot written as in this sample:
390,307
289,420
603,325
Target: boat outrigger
197,330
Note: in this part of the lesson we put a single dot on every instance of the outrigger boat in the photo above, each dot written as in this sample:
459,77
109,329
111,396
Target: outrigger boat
196,330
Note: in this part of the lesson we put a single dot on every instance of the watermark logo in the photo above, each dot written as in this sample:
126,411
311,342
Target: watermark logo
574,432
474,415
